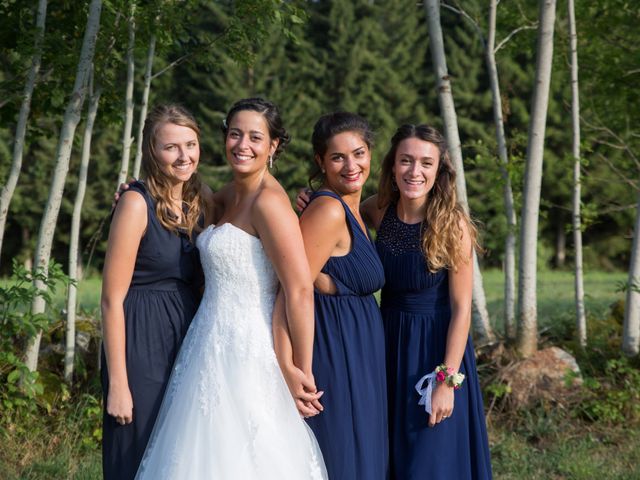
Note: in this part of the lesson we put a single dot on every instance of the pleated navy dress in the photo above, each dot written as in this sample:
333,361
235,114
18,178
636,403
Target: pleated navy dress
416,312
348,363
162,299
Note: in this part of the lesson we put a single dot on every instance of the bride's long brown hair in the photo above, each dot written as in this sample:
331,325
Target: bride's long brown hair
442,233
158,183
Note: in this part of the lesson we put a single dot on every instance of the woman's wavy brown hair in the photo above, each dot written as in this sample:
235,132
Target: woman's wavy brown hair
158,183
442,234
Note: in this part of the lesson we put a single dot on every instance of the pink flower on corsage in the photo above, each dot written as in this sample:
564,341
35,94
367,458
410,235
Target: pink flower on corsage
449,376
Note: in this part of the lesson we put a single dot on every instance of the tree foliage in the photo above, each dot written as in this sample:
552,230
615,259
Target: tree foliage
311,57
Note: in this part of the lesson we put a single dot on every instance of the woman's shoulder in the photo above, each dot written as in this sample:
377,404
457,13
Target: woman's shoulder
271,195
132,204
327,208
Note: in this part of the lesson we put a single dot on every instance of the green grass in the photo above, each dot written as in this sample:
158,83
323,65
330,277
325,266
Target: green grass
556,294
565,451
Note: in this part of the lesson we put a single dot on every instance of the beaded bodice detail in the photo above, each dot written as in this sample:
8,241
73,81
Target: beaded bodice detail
399,237
405,267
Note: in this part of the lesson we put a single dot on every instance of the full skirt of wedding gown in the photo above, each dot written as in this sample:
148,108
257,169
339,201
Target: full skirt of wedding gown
227,412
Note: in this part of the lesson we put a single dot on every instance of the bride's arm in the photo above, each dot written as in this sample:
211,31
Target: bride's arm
302,388
277,226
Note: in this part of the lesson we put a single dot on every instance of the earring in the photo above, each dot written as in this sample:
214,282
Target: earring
270,161
323,171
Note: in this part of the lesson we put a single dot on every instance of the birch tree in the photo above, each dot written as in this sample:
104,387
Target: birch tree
489,44
509,208
70,343
144,105
445,98
18,145
581,321
527,295
63,154
128,101
631,325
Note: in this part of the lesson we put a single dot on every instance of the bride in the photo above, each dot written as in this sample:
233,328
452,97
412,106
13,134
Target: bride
227,412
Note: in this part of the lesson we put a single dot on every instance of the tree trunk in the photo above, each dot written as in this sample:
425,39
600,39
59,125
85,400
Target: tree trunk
507,193
527,295
28,259
581,318
144,105
561,244
128,107
21,128
63,153
75,236
481,323
631,327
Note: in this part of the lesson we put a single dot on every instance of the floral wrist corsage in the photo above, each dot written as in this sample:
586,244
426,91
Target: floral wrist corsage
449,376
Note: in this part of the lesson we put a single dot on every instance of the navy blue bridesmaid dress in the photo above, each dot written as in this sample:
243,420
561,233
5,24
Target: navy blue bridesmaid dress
416,313
348,363
162,299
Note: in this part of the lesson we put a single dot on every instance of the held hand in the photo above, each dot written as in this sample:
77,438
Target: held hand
121,189
303,390
302,200
441,403
120,404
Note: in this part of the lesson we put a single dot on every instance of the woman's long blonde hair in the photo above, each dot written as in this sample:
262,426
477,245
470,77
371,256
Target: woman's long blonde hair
158,183
441,233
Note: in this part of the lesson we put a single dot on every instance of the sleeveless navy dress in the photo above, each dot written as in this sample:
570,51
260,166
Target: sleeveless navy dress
162,299
348,363
416,313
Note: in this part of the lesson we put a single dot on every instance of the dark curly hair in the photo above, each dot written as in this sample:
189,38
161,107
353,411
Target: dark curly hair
271,115
332,124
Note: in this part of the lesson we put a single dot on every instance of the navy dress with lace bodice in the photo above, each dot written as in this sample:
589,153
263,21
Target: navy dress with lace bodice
416,313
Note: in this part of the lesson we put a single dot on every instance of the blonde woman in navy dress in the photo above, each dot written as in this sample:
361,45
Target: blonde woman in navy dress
425,242
151,284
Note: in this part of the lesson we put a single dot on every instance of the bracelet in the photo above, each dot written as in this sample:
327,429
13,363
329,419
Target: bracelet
449,376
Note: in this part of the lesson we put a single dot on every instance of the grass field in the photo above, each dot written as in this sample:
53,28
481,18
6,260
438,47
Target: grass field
555,294
536,444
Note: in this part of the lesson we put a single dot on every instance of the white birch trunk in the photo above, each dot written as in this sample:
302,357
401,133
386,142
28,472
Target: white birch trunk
631,326
507,193
128,107
18,145
144,105
481,323
527,295
74,273
581,319
63,153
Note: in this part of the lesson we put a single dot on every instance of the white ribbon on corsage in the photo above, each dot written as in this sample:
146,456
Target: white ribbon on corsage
426,392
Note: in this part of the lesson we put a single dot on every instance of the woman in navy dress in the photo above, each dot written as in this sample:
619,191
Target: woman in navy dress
425,240
348,350
151,283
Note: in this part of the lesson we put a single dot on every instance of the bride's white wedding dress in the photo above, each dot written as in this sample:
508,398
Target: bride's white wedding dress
227,412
